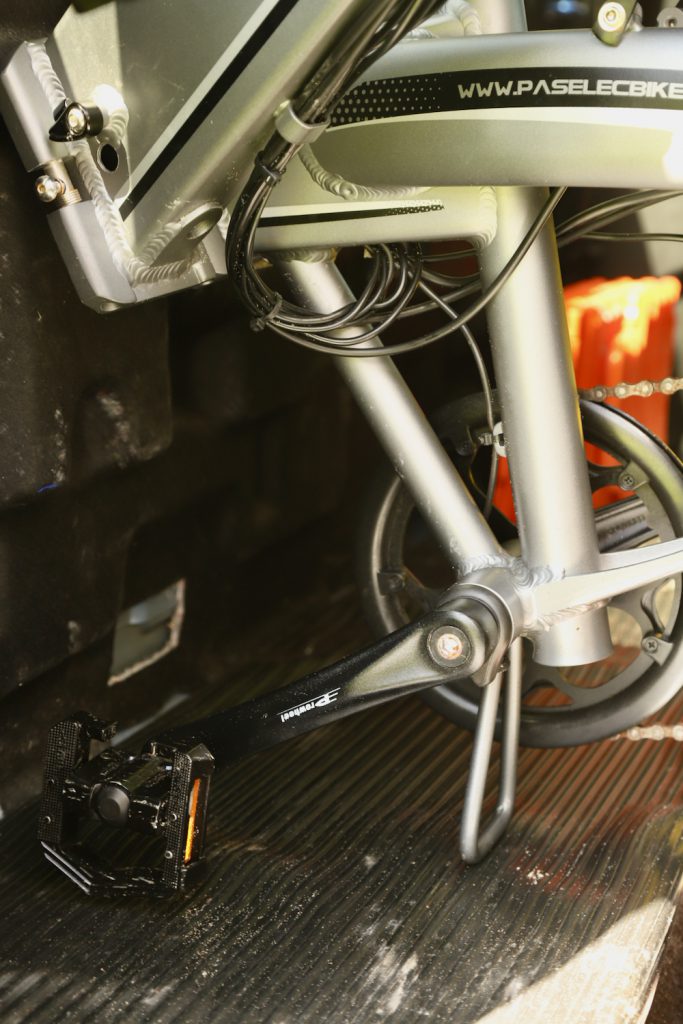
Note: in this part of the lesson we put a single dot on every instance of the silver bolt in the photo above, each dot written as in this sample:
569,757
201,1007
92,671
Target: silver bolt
612,17
77,121
650,644
48,188
449,646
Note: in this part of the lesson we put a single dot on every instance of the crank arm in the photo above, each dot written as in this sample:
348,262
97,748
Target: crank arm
161,792
619,572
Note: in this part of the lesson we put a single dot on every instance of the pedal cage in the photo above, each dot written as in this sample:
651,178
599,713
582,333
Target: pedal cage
161,792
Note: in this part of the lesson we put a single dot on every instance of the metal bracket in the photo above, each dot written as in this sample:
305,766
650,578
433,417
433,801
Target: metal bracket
75,121
613,20
294,130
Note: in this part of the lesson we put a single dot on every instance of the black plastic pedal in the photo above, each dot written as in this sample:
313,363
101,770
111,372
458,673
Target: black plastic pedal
161,793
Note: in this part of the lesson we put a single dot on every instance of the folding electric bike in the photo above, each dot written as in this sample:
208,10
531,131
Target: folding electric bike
399,123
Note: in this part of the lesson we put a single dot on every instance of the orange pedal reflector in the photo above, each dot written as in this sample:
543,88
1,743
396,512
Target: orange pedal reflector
192,818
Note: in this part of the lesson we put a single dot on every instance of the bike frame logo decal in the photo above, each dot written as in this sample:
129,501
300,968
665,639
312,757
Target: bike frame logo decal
518,87
317,702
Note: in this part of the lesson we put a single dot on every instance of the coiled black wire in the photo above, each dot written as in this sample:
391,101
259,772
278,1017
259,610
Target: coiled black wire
395,274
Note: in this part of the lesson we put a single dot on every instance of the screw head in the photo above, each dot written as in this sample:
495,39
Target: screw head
612,17
48,188
627,481
650,644
77,121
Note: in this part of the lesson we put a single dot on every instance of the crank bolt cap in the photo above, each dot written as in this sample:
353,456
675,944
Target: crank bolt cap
449,646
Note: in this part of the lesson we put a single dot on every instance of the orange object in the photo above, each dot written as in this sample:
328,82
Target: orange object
621,330
192,818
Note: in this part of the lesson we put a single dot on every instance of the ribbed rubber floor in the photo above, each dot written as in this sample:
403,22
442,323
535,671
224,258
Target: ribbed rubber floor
334,893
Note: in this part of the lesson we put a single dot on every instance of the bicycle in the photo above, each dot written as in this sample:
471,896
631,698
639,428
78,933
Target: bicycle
399,123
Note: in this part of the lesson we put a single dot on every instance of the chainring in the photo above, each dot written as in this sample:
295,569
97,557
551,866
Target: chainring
402,573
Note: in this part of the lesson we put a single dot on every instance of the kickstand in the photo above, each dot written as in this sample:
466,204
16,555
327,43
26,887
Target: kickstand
475,842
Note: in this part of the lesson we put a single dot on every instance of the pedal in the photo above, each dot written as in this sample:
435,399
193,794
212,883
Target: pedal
160,795
91,803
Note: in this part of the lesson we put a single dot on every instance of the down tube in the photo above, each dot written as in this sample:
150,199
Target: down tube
541,421
401,427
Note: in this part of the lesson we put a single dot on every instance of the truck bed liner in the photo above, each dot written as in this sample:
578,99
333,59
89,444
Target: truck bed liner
334,891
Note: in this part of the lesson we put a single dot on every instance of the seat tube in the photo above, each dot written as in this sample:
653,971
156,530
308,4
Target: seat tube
539,405
541,421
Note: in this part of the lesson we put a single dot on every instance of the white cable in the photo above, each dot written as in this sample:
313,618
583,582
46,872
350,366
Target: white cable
134,268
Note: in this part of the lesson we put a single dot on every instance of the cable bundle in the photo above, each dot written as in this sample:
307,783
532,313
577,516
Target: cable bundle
397,271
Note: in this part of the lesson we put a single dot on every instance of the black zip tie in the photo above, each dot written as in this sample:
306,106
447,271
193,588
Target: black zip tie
272,176
261,322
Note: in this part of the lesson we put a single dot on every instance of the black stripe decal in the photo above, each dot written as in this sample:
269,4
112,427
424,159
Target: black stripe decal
317,218
514,87
213,97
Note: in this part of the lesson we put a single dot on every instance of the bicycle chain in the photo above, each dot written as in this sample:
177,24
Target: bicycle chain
643,389
599,393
